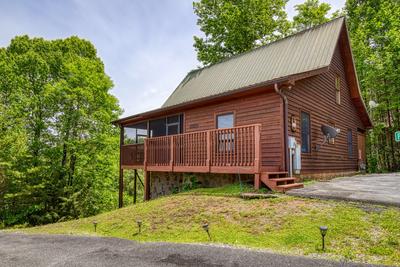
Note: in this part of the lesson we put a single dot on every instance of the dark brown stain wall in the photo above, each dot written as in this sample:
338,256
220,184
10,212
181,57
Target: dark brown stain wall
264,108
317,96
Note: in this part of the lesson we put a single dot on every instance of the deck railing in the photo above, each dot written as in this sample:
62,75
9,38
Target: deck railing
233,146
222,150
158,151
132,155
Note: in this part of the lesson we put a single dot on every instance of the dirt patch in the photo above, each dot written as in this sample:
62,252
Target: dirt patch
371,208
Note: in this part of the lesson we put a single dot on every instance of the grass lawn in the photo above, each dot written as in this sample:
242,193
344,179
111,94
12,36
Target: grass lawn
232,190
357,232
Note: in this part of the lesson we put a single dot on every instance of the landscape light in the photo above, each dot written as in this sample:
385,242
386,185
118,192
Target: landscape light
372,104
323,230
95,225
139,223
206,228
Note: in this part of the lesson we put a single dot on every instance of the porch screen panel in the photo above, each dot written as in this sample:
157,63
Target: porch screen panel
158,127
129,135
135,133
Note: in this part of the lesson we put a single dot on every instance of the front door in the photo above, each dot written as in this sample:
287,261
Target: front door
361,146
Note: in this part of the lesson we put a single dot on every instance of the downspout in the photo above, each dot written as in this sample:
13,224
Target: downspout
285,124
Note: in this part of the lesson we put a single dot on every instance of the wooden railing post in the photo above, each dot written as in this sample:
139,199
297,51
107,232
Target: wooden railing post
208,160
257,148
121,170
145,154
172,148
146,173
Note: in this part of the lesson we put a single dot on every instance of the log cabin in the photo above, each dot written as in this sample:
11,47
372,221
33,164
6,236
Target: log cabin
281,112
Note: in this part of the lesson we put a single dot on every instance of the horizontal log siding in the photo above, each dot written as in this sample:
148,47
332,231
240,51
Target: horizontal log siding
265,109
317,96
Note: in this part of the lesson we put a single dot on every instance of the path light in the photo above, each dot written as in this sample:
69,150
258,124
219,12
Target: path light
323,230
206,228
372,104
139,224
95,225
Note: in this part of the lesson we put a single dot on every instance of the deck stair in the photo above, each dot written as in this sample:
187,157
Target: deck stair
279,181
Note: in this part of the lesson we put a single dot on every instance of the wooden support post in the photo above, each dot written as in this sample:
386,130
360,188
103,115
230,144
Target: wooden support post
135,187
121,188
146,185
121,171
256,181
257,149
146,173
172,147
208,161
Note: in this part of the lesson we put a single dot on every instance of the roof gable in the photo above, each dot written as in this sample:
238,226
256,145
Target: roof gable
302,55
305,51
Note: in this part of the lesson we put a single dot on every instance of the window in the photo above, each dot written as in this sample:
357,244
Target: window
305,133
337,86
226,141
225,120
350,143
135,133
129,135
166,126
173,125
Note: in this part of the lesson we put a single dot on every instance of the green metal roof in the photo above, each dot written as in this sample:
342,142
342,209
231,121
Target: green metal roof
305,51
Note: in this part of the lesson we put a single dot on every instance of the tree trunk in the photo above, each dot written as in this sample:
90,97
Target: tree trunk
389,118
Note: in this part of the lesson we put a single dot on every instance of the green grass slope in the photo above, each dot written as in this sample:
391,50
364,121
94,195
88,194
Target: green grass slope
358,232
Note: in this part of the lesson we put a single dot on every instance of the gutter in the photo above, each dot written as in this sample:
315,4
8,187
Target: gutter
285,124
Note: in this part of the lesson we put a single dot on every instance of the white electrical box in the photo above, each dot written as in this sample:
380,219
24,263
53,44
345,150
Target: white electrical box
297,159
292,142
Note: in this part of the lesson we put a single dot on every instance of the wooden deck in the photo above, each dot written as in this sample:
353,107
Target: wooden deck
229,150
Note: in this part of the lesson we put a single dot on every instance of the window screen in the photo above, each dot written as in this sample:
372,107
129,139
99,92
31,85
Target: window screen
135,133
158,127
305,133
166,126
225,120
129,135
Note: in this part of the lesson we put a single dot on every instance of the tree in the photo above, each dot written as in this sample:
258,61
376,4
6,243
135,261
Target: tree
374,30
310,13
233,27
58,150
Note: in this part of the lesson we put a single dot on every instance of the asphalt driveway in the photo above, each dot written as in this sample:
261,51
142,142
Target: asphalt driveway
372,188
59,250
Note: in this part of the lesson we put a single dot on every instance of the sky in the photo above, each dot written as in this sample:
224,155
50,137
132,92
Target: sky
146,46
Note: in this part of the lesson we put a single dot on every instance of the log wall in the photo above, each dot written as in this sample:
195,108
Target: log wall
263,108
317,96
